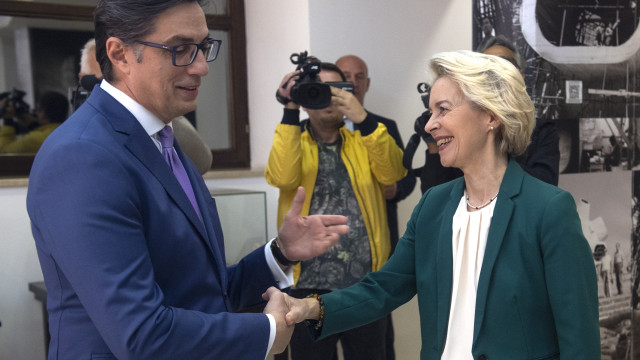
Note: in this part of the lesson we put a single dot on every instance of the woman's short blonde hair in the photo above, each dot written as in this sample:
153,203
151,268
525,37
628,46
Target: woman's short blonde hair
492,84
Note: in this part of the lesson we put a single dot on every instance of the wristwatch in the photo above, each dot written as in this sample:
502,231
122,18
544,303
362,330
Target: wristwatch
277,253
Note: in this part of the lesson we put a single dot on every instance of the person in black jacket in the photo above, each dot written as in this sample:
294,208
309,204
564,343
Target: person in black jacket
542,157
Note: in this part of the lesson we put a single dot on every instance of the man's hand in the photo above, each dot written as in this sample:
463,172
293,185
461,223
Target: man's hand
303,238
432,148
298,310
348,105
278,307
389,191
284,90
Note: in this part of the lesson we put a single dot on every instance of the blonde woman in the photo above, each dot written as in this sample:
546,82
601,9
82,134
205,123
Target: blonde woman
497,258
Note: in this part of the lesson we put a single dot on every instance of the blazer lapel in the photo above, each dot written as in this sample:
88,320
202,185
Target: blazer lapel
150,157
211,226
510,187
138,142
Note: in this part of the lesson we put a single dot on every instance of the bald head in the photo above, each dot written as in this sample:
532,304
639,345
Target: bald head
355,70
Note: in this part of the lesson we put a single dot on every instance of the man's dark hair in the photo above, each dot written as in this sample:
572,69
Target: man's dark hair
54,105
127,20
327,66
500,40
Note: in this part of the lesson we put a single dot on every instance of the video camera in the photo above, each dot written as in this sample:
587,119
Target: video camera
309,91
82,92
430,174
424,90
15,98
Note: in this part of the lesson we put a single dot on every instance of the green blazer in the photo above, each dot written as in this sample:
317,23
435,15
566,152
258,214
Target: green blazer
537,292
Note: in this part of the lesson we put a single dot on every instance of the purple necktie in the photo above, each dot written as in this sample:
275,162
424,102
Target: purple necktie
170,155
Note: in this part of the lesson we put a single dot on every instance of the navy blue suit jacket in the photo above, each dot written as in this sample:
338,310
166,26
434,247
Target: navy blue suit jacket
131,271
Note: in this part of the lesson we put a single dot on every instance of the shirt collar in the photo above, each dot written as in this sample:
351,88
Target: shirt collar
151,123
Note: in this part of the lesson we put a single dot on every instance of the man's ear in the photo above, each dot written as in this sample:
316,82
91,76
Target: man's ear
117,52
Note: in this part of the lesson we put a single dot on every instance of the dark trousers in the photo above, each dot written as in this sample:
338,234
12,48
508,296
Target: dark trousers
363,343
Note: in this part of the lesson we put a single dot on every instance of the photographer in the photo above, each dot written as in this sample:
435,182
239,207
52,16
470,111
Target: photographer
15,112
51,111
342,172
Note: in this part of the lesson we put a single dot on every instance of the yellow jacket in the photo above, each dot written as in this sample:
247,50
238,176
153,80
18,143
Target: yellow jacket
371,159
28,143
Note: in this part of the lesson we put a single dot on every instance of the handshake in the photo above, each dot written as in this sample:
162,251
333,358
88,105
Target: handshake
287,312
302,237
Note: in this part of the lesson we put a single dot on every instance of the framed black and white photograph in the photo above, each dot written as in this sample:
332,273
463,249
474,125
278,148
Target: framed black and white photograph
574,92
581,73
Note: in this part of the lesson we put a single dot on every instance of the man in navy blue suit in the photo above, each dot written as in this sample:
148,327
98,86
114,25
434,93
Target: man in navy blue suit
130,245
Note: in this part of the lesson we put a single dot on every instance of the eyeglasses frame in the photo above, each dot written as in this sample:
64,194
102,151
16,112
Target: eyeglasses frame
213,42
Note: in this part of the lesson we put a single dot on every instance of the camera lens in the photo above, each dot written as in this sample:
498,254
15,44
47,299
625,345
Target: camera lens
312,95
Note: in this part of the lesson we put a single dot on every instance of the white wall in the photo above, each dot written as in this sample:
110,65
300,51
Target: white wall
21,335
275,30
395,38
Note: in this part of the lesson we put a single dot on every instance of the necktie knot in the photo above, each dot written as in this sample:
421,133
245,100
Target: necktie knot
166,137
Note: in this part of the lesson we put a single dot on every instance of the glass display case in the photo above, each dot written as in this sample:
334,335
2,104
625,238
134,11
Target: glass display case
243,215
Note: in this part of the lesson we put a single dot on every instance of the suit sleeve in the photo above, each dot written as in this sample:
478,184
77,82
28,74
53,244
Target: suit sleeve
94,230
379,292
571,280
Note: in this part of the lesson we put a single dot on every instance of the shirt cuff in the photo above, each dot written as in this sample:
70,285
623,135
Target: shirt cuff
368,125
272,333
291,117
283,279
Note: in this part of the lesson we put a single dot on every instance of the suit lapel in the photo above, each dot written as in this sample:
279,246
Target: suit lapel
138,142
151,158
210,221
510,187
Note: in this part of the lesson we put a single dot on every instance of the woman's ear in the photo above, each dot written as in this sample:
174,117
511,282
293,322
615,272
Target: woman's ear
492,121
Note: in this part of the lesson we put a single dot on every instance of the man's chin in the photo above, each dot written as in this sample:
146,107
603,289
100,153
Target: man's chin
187,109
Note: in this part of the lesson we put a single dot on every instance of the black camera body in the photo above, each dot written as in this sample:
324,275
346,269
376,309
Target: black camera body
344,85
420,133
309,91
82,92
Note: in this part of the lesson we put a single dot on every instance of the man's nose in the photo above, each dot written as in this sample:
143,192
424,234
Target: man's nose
199,65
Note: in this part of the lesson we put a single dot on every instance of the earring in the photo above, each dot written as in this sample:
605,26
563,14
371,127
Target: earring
491,128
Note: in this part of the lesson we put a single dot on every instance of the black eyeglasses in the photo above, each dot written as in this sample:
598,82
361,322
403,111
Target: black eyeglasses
185,54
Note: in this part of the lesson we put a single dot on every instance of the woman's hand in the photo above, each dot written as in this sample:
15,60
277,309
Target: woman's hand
302,309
